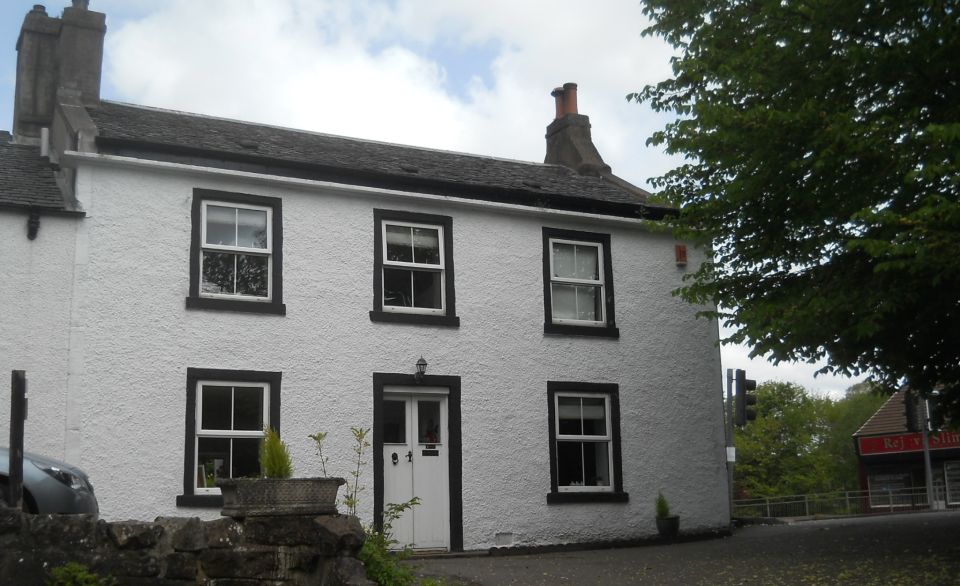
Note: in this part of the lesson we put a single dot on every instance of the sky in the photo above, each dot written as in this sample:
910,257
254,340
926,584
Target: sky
457,75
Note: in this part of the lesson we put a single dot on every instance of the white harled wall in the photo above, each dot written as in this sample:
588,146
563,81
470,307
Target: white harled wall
136,341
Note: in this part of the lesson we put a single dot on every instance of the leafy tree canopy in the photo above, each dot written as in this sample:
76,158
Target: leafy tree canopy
800,443
822,147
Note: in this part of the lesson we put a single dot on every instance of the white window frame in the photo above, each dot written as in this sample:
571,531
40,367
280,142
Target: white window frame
607,438
437,268
571,281
200,432
267,252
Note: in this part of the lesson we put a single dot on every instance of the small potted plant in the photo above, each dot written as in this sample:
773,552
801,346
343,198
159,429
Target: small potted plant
667,525
276,493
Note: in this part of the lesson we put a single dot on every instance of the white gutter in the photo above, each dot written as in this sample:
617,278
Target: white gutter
74,158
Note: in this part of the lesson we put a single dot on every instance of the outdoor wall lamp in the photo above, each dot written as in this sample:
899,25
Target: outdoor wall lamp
421,370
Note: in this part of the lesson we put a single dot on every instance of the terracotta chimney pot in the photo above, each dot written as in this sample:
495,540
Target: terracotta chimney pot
557,94
570,98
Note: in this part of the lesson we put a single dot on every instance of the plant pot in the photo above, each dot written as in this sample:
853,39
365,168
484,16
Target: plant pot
257,497
668,527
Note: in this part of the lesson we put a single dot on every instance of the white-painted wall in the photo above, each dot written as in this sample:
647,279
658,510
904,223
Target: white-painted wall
136,341
36,282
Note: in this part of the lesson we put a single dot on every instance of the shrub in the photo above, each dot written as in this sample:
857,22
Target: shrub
275,459
663,507
74,574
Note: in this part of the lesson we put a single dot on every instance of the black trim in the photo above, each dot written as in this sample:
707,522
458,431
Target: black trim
610,330
218,159
450,300
188,498
612,391
381,379
194,300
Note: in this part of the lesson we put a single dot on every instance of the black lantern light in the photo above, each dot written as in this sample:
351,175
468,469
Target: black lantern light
421,369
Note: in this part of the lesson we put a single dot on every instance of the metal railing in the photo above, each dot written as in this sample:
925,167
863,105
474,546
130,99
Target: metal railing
848,502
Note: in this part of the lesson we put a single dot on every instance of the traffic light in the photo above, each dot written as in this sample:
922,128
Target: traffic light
744,399
911,411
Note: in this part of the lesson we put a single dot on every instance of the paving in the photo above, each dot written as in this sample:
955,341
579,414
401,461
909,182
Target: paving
901,549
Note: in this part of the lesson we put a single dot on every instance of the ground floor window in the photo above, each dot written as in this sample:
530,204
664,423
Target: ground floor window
227,411
584,420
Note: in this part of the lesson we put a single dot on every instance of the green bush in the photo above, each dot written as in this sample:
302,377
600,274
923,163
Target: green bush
382,565
663,507
74,574
275,459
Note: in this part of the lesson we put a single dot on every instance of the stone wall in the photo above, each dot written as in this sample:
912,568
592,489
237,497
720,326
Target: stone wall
290,550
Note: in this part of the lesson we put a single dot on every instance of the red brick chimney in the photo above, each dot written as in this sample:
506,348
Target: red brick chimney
568,136
54,53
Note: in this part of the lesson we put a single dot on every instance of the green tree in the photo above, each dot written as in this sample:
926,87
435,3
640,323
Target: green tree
800,443
778,453
822,146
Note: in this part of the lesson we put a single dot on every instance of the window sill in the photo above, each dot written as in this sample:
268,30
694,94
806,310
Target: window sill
200,501
415,318
570,330
269,307
559,498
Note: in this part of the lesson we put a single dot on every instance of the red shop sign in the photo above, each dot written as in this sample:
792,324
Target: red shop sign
907,442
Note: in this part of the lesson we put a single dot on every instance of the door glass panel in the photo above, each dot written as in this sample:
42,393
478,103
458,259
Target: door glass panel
394,422
428,422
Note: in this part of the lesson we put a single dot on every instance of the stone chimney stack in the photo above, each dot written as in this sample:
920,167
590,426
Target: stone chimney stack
568,136
54,53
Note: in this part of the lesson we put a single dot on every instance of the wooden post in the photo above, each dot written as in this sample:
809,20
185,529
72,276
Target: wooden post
18,414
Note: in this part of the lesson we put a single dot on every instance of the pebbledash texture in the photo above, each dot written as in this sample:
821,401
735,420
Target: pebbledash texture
174,283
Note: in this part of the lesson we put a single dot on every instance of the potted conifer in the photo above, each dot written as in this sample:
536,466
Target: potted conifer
667,525
276,493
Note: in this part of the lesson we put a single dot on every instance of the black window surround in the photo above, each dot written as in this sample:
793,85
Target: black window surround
612,391
194,299
609,330
449,318
454,422
194,375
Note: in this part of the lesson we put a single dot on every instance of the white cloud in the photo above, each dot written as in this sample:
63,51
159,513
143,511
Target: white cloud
383,70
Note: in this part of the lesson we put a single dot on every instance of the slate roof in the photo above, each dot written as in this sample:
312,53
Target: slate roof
26,179
130,130
888,419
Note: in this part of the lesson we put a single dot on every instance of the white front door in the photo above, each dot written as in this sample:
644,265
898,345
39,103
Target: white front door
416,463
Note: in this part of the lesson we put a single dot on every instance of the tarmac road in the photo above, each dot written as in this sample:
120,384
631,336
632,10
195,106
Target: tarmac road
902,549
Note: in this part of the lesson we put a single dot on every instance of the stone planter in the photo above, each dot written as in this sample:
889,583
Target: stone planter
253,497
668,527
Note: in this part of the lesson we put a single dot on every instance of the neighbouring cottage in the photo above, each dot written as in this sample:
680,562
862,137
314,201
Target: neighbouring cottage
891,458
172,283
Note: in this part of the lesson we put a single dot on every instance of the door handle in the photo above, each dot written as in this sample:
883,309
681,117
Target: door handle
394,458
410,456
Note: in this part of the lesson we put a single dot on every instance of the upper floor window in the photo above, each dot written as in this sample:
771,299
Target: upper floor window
578,283
413,276
235,259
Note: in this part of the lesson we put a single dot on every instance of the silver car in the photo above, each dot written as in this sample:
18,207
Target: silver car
50,486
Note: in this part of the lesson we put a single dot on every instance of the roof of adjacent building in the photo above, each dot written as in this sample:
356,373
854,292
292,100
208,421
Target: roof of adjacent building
26,178
889,418
130,130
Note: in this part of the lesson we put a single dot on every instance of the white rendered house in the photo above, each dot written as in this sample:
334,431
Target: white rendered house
172,283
